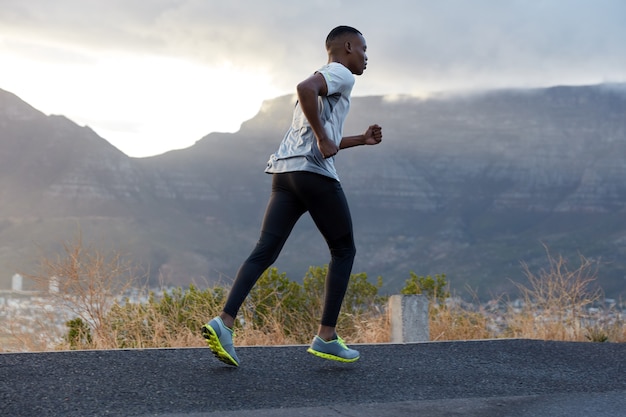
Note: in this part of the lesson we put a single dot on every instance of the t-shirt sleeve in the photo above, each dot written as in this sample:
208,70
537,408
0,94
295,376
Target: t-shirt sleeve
338,78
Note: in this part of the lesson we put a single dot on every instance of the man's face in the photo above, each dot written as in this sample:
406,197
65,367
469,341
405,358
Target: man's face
358,56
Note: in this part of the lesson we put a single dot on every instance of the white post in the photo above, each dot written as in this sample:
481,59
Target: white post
408,316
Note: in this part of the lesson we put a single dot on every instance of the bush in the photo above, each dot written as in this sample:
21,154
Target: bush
89,286
556,302
84,282
277,311
435,289
171,319
78,334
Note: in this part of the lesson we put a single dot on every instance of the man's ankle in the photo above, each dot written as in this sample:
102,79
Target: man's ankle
228,320
327,333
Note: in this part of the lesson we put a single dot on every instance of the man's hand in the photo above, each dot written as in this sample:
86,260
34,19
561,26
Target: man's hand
373,135
327,147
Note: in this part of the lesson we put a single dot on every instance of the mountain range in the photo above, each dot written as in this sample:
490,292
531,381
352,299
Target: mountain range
470,185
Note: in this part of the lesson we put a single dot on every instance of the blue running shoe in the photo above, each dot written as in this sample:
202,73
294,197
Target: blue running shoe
335,350
220,340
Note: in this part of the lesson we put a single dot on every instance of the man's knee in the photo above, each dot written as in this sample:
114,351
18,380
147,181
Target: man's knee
266,250
343,247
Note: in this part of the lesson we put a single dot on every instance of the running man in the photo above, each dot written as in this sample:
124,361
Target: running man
304,179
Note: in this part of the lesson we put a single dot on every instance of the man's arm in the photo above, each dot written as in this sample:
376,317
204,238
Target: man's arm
308,92
372,136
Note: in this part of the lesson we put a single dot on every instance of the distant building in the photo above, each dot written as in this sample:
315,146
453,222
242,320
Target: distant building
54,285
16,283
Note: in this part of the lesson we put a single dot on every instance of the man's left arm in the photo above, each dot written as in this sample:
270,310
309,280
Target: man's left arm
372,136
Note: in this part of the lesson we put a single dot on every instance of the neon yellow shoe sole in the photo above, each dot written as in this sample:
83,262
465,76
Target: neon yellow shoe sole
212,332
335,350
331,357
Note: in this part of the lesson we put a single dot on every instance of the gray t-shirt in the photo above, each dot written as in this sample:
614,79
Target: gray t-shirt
298,150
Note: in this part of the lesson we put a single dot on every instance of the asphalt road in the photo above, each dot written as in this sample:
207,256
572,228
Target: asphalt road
478,378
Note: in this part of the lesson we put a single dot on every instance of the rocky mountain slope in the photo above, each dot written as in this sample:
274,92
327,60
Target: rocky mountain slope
467,185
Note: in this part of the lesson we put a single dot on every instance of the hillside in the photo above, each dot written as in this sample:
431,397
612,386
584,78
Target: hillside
466,185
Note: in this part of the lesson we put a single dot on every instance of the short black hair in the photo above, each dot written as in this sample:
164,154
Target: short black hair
340,31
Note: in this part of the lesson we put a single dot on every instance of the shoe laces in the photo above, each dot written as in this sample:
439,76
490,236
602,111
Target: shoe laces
341,342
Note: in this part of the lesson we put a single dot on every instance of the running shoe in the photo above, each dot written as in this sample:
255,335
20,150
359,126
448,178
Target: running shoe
220,340
335,350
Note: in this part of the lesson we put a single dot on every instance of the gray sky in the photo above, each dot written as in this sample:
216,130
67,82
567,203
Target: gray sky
154,75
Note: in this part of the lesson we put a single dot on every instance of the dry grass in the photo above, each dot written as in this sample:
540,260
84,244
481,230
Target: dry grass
556,302
88,288
455,322
80,283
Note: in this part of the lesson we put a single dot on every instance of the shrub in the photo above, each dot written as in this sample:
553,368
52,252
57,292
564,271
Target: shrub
78,334
171,319
89,287
84,282
556,301
277,311
435,289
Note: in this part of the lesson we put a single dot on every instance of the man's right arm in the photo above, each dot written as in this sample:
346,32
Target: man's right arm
308,92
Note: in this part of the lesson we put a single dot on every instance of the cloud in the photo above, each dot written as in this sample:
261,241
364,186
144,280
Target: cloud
411,43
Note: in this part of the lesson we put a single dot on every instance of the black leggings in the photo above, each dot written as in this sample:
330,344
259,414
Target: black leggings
293,194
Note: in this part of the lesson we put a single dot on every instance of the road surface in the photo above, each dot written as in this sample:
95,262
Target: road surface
474,378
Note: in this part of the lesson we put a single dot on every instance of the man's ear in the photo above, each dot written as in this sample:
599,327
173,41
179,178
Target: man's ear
348,46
